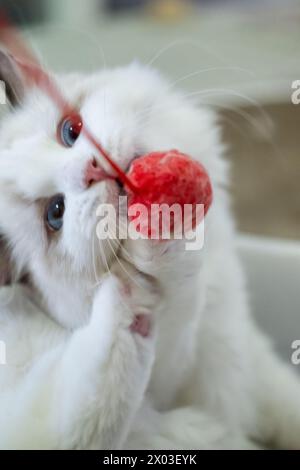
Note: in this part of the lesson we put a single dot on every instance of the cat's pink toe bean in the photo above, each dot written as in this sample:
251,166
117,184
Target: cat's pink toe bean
141,325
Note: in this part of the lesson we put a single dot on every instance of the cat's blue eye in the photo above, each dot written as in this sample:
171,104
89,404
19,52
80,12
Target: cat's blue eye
55,212
69,130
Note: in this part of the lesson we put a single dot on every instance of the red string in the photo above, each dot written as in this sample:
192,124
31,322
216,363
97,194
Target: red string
34,74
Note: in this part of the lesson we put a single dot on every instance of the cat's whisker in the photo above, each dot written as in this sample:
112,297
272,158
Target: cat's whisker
104,261
184,42
257,126
244,114
205,93
235,126
121,265
247,117
122,298
97,280
66,29
129,257
209,69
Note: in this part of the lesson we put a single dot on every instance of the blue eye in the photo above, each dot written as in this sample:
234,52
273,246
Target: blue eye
55,213
69,130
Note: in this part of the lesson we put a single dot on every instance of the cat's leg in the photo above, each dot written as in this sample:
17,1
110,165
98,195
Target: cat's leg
85,393
110,363
177,272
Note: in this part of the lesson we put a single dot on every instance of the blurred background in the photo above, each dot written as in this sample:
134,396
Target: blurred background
239,56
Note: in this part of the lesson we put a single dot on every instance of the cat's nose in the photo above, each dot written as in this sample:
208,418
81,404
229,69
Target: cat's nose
94,173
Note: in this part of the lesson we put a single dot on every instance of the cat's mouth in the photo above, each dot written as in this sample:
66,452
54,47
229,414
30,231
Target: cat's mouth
119,182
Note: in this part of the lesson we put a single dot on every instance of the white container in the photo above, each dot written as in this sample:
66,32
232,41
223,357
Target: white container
273,272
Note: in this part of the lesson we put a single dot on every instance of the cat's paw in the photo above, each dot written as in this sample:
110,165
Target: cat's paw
134,300
139,295
152,256
123,328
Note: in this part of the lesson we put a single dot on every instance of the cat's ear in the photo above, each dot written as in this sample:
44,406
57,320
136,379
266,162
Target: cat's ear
10,75
5,263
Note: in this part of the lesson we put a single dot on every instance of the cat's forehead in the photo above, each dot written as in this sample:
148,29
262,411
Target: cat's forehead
129,89
133,84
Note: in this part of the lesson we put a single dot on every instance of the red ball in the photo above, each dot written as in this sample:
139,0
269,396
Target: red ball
169,178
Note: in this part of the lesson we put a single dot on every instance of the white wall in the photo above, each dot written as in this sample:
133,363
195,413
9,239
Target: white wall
73,12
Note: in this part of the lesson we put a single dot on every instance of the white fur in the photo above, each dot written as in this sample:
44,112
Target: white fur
76,376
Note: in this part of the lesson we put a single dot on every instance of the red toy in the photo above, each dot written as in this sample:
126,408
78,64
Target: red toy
170,178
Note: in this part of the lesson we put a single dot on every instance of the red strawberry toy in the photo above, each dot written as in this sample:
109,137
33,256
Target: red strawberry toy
169,178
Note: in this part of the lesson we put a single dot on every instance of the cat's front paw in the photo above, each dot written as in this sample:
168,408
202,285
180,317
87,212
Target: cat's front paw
154,256
139,295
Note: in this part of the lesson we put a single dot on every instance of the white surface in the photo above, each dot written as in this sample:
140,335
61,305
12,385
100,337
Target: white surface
273,270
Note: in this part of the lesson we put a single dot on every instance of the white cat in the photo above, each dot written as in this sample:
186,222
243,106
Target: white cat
154,347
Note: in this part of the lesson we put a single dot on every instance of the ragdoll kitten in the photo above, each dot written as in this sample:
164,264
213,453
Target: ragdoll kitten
133,344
